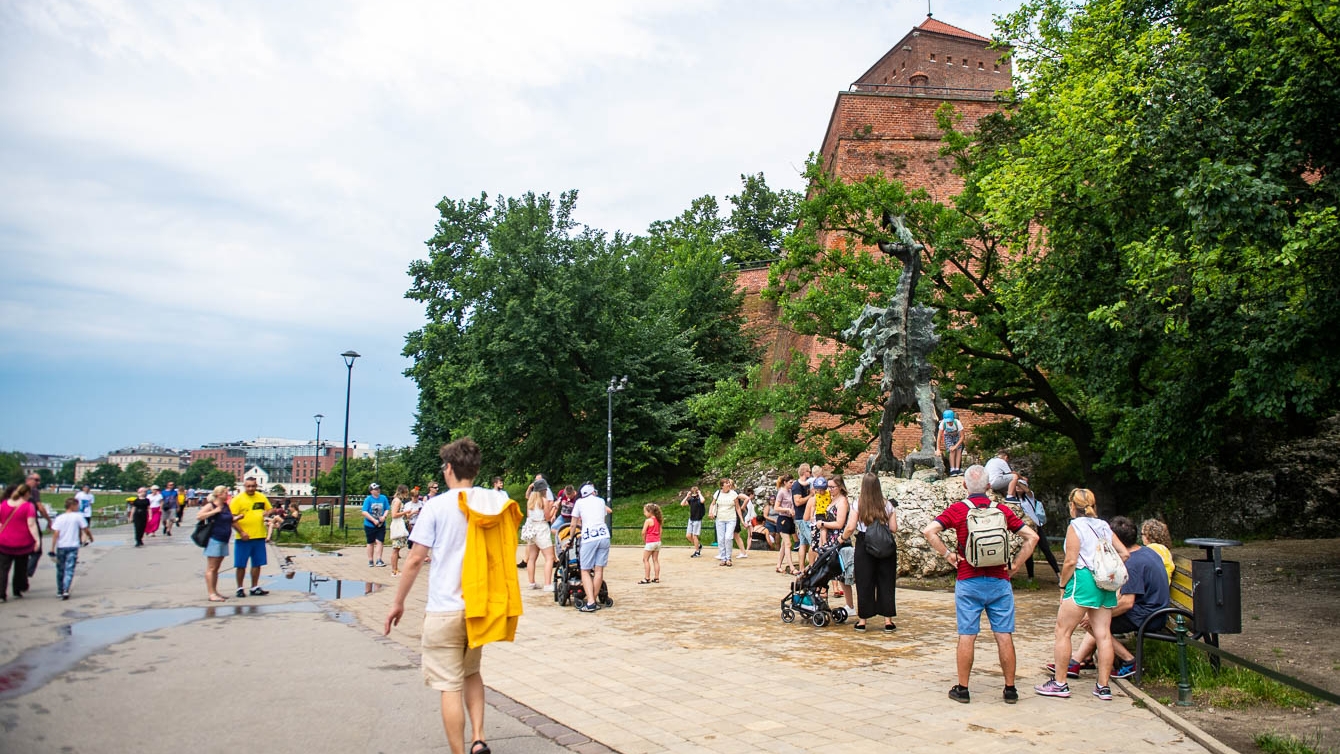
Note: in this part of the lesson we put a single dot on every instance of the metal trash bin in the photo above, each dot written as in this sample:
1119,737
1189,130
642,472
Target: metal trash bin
323,515
1217,588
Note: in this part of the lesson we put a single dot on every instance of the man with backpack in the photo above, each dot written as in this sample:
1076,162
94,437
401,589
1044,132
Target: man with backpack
984,571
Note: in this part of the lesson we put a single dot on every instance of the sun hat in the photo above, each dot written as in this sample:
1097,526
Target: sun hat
949,416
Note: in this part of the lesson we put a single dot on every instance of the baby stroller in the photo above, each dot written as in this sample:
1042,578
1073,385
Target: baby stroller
809,592
568,588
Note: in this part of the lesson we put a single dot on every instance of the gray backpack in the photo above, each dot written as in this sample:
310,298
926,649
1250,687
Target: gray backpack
988,537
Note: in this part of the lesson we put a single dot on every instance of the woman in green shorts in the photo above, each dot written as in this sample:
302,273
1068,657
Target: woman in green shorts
1081,598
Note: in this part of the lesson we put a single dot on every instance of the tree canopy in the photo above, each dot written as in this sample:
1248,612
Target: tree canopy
1142,259
530,315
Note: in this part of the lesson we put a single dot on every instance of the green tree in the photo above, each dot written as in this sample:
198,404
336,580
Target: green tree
195,473
167,475
759,221
530,316
11,468
66,473
105,476
216,477
134,476
47,477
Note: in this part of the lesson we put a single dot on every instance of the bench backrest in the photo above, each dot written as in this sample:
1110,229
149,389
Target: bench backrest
1180,590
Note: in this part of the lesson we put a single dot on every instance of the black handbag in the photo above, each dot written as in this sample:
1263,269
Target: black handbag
201,534
879,541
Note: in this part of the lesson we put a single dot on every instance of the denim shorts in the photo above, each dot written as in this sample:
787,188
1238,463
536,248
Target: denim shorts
595,553
216,549
694,527
804,532
995,596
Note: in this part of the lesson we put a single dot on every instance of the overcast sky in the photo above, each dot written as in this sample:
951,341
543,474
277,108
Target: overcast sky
203,204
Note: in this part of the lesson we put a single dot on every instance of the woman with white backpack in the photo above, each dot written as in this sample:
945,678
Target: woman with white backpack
1088,591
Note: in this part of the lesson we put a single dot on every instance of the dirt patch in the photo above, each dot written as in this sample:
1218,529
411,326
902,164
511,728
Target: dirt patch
1291,623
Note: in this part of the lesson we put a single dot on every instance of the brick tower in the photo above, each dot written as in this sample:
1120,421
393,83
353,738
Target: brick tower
885,123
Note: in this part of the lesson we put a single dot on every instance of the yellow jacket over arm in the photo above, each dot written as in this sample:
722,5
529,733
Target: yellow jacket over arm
489,583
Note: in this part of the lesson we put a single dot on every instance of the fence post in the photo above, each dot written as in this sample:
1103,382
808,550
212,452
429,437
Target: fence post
1183,674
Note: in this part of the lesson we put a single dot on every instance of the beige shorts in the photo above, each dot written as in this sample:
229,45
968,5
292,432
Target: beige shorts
652,546
447,660
537,533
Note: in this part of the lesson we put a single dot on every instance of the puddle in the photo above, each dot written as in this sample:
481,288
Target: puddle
107,543
323,587
35,667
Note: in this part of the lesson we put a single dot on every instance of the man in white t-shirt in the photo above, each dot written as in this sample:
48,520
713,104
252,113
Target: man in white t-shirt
588,517
86,499
1002,478
449,664
71,532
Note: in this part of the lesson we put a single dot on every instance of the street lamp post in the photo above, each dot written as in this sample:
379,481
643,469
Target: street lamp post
316,461
615,386
349,357
376,462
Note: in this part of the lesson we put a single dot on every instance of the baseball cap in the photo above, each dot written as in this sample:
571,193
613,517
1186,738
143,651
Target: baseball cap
820,483
588,489
949,416
374,486
540,486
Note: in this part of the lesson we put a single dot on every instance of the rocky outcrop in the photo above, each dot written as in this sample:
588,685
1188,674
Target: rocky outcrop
1292,489
919,501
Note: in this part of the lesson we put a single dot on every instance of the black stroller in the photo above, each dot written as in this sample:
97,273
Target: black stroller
809,592
568,588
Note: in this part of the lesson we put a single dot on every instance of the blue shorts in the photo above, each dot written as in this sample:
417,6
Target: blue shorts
216,549
249,549
595,553
804,532
374,534
995,596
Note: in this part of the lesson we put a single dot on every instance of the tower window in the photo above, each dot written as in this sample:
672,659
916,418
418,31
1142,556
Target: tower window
980,67
932,57
965,62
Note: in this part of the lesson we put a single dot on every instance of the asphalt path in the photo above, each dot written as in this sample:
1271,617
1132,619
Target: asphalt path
137,660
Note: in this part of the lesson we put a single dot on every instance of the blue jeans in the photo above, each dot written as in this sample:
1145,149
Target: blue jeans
725,535
66,557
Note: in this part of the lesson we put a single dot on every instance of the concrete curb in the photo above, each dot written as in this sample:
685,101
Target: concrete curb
1175,720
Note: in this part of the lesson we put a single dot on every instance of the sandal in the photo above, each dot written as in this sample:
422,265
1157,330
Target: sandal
645,581
217,598
479,747
655,581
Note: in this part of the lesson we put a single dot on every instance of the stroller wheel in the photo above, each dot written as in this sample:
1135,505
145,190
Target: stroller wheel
819,619
607,602
840,615
788,615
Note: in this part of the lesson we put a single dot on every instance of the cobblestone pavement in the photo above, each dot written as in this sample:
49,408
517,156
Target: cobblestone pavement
703,662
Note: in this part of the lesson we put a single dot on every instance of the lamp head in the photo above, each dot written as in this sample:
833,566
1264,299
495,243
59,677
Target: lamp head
349,357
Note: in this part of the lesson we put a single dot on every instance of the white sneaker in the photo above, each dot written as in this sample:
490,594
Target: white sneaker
742,554
549,587
534,585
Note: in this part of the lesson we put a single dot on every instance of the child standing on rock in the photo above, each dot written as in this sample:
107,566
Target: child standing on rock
651,544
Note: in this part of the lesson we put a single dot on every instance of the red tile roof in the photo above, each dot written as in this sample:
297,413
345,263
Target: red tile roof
930,24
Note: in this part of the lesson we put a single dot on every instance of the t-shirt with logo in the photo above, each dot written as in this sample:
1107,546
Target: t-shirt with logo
68,526
591,510
376,506
956,517
85,503
249,511
171,498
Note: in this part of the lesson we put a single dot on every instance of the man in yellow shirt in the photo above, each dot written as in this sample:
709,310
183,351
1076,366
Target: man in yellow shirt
249,511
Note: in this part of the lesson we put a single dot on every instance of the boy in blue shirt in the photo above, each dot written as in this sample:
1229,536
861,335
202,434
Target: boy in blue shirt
375,510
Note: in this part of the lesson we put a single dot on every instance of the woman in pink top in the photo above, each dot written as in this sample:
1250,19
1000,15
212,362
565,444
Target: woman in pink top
18,539
651,544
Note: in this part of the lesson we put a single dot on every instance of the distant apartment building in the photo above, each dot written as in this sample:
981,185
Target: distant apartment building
291,463
34,462
156,457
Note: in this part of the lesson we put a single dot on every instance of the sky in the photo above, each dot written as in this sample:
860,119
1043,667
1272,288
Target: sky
202,205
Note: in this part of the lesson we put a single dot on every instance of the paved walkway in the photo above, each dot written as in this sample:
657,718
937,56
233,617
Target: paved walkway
138,661
702,662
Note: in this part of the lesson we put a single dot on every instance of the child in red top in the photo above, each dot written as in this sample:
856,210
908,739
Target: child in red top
651,548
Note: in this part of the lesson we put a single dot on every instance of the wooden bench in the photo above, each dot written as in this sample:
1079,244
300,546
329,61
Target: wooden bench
1160,625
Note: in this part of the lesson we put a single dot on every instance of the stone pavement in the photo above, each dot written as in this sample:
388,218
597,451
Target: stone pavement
137,660
702,662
